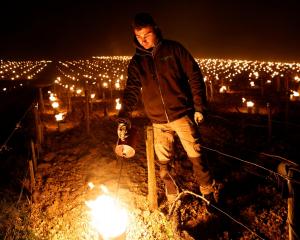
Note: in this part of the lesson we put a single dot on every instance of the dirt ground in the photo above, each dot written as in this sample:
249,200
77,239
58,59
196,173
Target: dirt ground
71,159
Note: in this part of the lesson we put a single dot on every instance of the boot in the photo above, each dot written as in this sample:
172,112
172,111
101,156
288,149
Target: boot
212,194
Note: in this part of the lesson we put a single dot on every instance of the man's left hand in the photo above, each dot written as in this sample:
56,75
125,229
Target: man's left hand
198,117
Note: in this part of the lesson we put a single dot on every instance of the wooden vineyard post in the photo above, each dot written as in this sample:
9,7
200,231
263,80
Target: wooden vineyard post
277,82
33,156
211,91
69,101
287,110
291,172
152,193
262,90
31,172
293,206
38,129
269,122
41,100
87,111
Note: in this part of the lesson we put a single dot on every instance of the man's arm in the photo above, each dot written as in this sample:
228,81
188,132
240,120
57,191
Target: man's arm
132,91
196,81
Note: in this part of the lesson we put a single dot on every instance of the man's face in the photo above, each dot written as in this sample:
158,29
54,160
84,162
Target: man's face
146,37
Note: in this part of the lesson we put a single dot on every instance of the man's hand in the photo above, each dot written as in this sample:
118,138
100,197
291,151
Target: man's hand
123,128
198,117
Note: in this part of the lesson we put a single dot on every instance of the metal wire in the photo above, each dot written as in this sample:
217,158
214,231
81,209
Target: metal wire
247,162
18,126
119,178
215,207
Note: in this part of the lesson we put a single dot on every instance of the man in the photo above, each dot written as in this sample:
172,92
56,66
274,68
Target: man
174,97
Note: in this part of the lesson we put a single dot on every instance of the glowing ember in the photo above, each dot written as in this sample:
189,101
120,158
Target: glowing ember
109,218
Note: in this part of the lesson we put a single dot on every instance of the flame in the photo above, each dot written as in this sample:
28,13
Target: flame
60,116
118,104
52,97
91,185
250,104
108,217
223,89
55,104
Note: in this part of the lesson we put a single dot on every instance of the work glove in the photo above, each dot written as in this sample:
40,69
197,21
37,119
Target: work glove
123,128
198,117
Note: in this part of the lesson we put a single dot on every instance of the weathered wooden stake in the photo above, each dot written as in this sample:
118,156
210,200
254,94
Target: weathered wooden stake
269,122
211,91
87,111
32,179
38,129
69,101
41,103
41,132
293,206
277,82
33,156
287,110
152,193
262,87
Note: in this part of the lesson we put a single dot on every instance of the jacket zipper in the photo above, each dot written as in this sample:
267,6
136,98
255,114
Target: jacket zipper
159,88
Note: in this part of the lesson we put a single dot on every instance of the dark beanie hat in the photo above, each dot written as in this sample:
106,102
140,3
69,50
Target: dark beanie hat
143,20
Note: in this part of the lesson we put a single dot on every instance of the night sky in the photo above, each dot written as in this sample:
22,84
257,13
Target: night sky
239,29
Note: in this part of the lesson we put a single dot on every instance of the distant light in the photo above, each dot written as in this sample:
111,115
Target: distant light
118,104
294,95
117,85
223,89
55,105
250,104
52,98
59,117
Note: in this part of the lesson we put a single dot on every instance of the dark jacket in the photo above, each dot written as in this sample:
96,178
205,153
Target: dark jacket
169,79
